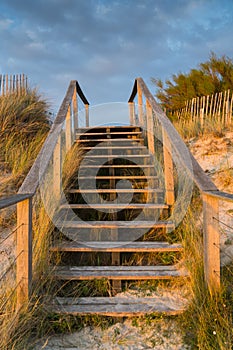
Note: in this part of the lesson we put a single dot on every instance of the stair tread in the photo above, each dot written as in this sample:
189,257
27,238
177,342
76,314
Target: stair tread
117,156
118,246
112,140
109,177
118,190
116,306
115,224
115,147
115,206
118,272
118,166
110,133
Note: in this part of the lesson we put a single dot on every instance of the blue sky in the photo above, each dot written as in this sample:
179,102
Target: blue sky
105,44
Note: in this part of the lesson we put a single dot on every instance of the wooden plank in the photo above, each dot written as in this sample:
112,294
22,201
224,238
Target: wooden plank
117,156
119,166
68,130
110,133
14,199
94,246
115,206
131,113
117,272
211,237
115,224
112,140
168,169
105,146
24,251
118,190
220,195
57,169
115,177
114,306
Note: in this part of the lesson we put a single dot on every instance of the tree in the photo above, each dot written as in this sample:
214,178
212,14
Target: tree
214,75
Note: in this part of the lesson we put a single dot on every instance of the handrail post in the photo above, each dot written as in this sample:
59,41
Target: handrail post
87,115
150,128
68,130
140,105
168,169
24,251
131,113
57,169
75,110
211,242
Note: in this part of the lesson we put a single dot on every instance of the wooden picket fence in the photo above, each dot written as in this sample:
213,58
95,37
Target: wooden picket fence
217,107
13,83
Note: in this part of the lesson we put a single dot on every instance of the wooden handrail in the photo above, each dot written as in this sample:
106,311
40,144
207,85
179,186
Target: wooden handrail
31,181
196,172
51,149
209,192
11,200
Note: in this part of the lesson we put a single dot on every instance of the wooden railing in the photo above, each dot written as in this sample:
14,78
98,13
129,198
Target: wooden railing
13,83
153,117
66,122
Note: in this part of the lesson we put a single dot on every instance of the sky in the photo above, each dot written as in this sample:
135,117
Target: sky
106,44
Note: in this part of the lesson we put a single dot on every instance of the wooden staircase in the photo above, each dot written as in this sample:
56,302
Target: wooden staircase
112,224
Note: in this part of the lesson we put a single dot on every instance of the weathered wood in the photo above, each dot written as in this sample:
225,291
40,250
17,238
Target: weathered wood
118,190
112,140
57,169
75,110
24,251
68,130
140,107
228,197
87,114
132,113
118,246
128,133
211,242
147,166
116,177
115,224
118,272
114,306
117,156
14,199
115,206
150,128
168,169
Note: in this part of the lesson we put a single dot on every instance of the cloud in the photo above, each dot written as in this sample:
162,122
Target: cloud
105,44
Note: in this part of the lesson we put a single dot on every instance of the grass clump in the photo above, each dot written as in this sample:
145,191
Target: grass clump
24,124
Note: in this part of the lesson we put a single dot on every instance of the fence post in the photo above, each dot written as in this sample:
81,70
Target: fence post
57,169
132,113
75,110
211,242
68,130
87,115
150,128
168,169
24,251
140,106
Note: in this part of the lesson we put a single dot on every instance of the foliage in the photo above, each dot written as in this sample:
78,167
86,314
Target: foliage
214,75
24,123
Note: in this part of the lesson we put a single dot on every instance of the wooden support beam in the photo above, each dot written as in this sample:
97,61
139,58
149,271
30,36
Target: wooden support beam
150,128
24,251
132,113
75,110
57,169
211,242
140,106
87,115
68,130
168,169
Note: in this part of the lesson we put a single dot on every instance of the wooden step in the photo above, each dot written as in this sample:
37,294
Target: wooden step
105,147
115,224
115,206
119,177
107,166
97,246
114,190
105,127
118,272
115,306
112,140
111,156
108,134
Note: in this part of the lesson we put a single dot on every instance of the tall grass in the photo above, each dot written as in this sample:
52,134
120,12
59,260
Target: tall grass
24,124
